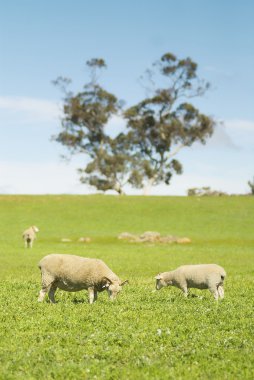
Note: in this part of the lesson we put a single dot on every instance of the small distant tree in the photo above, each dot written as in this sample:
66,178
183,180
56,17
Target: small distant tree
204,191
251,185
164,123
86,115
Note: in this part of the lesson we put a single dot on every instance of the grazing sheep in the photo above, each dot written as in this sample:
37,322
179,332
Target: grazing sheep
29,236
203,276
73,273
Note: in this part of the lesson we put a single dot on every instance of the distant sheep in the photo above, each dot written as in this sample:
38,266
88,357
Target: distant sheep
29,236
203,276
74,273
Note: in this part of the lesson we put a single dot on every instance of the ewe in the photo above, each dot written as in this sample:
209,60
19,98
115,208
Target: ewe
73,273
203,276
29,236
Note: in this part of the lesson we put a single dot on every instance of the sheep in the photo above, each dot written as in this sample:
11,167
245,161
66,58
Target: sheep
74,273
29,236
203,276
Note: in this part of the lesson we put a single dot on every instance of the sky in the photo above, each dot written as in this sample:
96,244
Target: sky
40,41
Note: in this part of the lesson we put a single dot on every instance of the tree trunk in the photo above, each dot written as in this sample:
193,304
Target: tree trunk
148,186
119,189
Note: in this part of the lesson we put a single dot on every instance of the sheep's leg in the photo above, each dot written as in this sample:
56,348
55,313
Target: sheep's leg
95,295
221,291
91,295
51,293
185,291
42,294
46,281
214,292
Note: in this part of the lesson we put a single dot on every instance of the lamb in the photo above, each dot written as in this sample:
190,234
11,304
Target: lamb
203,276
74,273
29,236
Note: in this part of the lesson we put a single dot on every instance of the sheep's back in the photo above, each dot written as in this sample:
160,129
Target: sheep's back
29,233
201,274
74,269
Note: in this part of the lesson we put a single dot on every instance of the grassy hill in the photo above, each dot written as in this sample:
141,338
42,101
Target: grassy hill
144,334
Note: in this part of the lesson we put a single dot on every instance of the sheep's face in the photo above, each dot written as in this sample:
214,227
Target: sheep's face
113,288
160,282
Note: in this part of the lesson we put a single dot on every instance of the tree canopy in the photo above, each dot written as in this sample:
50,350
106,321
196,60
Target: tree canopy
165,122
157,128
86,115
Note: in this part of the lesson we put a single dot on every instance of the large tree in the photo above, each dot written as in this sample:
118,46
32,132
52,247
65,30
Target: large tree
84,121
165,122
157,127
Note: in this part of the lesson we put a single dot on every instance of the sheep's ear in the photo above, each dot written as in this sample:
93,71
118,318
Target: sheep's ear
158,277
124,282
108,281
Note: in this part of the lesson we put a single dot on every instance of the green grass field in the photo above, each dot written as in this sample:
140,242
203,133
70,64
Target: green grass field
144,334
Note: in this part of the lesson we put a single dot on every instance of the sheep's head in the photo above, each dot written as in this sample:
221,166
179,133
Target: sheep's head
114,287
160,282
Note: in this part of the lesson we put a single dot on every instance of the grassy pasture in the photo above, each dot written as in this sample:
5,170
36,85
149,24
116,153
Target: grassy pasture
144,334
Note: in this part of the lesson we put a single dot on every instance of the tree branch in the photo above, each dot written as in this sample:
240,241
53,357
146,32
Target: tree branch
176,150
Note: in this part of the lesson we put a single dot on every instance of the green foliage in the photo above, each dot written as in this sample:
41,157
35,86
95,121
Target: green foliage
144,334
86,115
96,63
163,123
112,167
205,191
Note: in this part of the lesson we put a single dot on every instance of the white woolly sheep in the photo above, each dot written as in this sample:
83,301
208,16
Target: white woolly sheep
203,276
74,273
29,236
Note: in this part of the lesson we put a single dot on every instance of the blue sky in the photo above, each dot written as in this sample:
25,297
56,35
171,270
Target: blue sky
42,40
